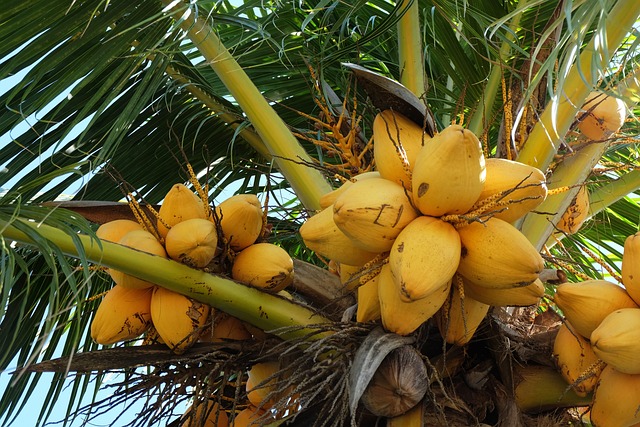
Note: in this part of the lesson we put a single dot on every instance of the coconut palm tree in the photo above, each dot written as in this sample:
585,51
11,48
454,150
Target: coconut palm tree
111,101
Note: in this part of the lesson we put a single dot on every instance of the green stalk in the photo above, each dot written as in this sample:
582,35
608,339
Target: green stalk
233,120
292,160
545,138
605,196
410,48
266,311
479,117
541,388
574,170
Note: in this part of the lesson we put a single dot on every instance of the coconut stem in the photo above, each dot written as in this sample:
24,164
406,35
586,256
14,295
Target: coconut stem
233,120
410,48
545,139
266,311
293,161
541,388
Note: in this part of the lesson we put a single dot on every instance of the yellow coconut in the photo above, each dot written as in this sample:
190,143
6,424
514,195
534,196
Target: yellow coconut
575,359
261,379
602,116
225,328
616,399
321,234
424,257
252,417
207,414
517,187
402,317
143,241
397,141
193,242
368,301
631,266
265,266
123,314
514,297
372,212
617,340
179,204
576,213
350,275
115,230
495,254
459,317
328,199
178,319
449,173
586,304
241,220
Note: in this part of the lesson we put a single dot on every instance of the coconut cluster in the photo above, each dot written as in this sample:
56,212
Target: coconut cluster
429,232
596,349
189,231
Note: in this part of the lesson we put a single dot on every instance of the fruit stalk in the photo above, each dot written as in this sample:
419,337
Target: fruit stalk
307,182
410,48
263,310
545,139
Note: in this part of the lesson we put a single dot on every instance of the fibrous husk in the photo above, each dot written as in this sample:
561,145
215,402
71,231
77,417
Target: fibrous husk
123,314
424,257
265,266
179,204
241,220
616,399
495,254
603,116
631,266
523,187
178,319
617,340
193,242
372,212
449,173
514,297
398,385
397,141
403,317
143,241
575,359
586,304
321,234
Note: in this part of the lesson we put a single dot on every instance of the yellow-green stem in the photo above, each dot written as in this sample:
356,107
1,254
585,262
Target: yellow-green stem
233,120
574,170
261,309
410,48
547,135
483,112
605,196
541,388
292,160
